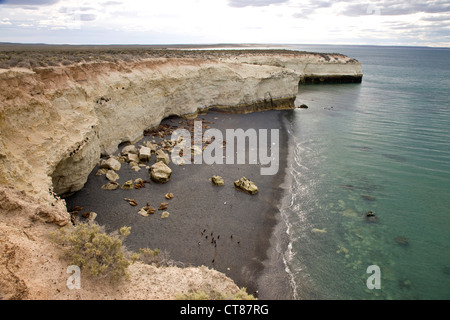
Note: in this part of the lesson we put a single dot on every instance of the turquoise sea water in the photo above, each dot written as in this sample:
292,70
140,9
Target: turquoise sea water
382,146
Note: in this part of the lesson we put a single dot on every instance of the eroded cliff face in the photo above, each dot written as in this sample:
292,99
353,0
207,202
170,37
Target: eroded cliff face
56,122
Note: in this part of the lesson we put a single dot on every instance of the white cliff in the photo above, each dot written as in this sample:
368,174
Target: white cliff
56,122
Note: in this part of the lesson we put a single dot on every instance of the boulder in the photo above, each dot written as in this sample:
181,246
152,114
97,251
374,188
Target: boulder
160,172
129,149
128,185
111,175
132,158
243,184
110,186
145,154
217,180
162,156
111,164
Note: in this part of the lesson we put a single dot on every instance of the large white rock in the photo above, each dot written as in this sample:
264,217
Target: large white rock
111,164
160,172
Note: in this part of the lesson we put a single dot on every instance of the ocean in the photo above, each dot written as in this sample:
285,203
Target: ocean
382,146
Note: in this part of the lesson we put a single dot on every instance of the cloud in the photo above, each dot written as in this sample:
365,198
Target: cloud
254,3
305,9
28,2
87,17
396,7
111,3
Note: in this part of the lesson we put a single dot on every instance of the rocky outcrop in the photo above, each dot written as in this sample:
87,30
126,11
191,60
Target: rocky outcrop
311,67
55,123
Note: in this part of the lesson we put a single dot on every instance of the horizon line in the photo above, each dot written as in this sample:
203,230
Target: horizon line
218,44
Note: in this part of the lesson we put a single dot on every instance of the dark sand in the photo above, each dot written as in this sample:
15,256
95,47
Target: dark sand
248,229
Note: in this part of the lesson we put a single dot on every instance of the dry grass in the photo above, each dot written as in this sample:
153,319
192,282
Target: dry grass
34,56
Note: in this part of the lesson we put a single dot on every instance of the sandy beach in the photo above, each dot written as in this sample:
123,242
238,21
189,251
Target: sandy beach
216,226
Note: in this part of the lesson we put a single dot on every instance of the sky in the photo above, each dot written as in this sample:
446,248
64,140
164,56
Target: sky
363,22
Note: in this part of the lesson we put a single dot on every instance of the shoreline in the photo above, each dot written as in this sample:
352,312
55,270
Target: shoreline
248,225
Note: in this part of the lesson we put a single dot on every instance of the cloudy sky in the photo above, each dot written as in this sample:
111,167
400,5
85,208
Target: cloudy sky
379,22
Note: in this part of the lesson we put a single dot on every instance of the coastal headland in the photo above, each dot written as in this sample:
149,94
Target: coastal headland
63,109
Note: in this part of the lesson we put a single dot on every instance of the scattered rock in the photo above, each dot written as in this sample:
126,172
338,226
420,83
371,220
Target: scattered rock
133,159
160,172
152,146
162,156
402,241
111,175
370,216
168,196
101,172
163,206
131,201
128,185
143,212
145,154
110,186
111,163
246,185
139,183
165,215
129,149
90,216
217,180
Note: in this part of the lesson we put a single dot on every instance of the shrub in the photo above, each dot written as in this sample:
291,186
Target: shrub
214,295
90,248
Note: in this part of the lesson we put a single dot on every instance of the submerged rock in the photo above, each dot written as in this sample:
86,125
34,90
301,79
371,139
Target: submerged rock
217,180
402,241
160,172
370,216
368,197
246,185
